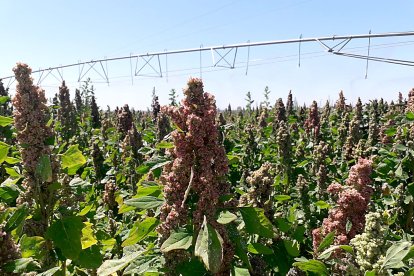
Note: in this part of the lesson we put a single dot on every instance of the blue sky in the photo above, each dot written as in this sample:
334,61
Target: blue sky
51,33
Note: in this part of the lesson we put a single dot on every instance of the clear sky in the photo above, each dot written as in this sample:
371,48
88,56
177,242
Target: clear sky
49,33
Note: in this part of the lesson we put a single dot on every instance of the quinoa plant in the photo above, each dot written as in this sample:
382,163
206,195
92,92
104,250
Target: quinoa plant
195,180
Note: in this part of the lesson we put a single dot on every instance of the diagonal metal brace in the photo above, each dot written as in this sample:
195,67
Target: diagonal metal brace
147,60
223,58
48,72
329,49
10,82
91,65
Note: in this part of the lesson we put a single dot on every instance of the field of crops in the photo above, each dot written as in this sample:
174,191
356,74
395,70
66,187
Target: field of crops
185,189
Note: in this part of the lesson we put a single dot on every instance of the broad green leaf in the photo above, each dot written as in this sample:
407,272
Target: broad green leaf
50,272
191,268
152,164
32,247
328,252
285,179
79,182
125,208
12,160
322,204
160,165
73,159
9,182
141,230
143,169
240,249
111,266
276,181
409,272
4,150
88,238
370,273
90,258
410,254
16,219
239,191
256,222
410,116
50,141
314,266
399,171
410,188
283,225
282,197
164,145
384,151
147,183
408,199
209,247
49,123
177,240
145,150
327,241
292,247
303,163
388,201
292,213
280,259
105,240
5,121
391,131
224,198
400,147
149,273
226,217
12,172
21,265
66,234
143,265
258,248
299,233
233,159
395,254
86,210
145,202
347,248
148,191
8,194
54,186
239,271
149,136
44,168
4,99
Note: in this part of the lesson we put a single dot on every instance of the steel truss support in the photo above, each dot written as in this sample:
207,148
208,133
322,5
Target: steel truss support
226,56
224,62
10,82
43,74
103,74
156,68
343,42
